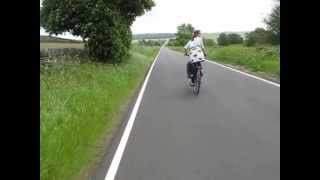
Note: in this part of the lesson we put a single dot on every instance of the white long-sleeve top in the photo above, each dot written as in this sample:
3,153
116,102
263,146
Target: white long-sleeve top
195,46
197,42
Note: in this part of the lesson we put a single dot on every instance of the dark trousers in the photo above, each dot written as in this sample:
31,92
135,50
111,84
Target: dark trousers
192,69
189,69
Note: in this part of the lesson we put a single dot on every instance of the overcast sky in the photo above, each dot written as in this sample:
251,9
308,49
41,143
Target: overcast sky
206,15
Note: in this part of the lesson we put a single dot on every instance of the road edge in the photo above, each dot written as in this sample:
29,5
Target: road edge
108,142
113,167
112,145
236,69
249,73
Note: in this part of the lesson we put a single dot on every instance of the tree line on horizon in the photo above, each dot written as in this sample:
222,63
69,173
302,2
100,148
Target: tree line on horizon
270,35
105,25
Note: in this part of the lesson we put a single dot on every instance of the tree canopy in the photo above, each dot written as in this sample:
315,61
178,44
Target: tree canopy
184,33
235,38
260,36
223,39
273,21
105,23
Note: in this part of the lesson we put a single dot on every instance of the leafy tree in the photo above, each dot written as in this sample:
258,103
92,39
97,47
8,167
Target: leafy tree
223,39
40,18
184,33
260,36
250,39
104,23
273,22
235,38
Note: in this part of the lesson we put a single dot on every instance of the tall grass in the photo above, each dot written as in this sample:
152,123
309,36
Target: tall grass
263,58
80,104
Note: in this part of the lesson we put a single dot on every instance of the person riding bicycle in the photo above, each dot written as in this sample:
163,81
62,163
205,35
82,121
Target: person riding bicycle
196,53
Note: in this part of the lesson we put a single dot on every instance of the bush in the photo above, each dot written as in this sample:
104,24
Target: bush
235,38
223,39
260,36
250,40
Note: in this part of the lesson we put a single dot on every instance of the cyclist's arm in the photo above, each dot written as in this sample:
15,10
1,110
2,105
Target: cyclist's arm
204,52
185,51
186,47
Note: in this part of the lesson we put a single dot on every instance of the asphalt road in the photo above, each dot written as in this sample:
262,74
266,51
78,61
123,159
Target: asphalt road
230,131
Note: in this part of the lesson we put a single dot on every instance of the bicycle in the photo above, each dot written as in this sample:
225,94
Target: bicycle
196,75
197,80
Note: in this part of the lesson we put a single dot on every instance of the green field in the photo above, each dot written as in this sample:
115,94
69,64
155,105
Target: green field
57,39
153,36
134,41
80,108
263,60
59,45
216,35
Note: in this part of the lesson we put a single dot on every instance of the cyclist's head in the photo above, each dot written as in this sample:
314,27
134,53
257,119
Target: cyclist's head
195,34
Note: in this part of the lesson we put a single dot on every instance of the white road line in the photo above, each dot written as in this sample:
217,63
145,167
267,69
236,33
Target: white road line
125,136
250,75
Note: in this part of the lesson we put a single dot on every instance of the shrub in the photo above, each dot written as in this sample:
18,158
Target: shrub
235,38
223,39
260,36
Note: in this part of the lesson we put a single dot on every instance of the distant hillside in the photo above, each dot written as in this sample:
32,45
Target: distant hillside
139,37
56,39
216,35
153,36
172,35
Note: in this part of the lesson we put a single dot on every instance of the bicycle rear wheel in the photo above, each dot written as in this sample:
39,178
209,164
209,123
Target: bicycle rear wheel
196,88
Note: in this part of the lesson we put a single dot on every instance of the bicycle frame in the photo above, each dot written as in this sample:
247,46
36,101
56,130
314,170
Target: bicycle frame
197,80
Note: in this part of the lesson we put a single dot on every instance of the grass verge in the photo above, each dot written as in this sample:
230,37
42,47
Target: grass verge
262,60
80,104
